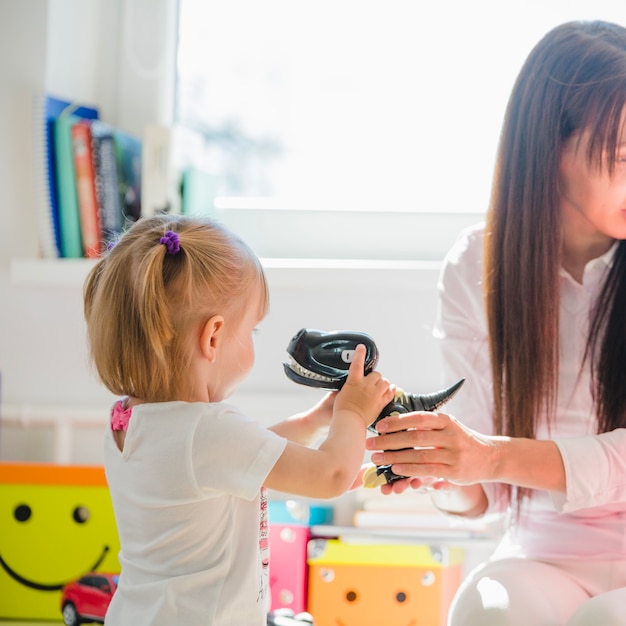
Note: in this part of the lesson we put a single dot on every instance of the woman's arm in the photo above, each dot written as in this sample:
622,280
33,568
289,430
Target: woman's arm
595,467
450,450
440,446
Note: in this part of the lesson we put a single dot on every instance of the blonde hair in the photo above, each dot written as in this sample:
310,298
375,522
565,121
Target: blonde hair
145,307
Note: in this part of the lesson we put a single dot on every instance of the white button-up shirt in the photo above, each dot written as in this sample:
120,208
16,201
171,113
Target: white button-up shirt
589,520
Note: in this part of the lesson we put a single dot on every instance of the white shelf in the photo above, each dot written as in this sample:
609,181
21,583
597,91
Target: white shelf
393,534
282,273
55,272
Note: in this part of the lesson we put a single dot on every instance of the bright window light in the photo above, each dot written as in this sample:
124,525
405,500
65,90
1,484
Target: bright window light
358,103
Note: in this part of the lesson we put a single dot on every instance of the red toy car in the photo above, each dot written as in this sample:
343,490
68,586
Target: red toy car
87,599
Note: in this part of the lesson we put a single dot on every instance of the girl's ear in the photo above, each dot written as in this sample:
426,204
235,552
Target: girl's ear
211,337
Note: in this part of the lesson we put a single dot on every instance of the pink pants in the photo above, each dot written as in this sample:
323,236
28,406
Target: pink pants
520,592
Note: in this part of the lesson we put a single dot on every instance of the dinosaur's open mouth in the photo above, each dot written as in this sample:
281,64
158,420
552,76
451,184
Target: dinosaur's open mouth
294,367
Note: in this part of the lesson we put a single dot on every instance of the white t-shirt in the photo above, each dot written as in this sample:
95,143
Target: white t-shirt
191,516
589,521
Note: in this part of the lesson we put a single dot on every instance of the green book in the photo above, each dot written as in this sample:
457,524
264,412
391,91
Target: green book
69,216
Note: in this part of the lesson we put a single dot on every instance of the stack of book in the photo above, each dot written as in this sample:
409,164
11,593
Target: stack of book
87,176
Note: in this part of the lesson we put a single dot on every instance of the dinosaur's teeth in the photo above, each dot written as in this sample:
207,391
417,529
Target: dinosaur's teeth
296,367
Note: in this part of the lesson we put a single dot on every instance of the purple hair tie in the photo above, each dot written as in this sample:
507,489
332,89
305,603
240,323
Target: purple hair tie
171,241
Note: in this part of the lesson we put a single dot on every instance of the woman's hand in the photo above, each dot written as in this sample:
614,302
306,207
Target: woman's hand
440,446
429,446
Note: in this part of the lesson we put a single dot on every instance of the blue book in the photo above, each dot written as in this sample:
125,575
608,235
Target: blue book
52,109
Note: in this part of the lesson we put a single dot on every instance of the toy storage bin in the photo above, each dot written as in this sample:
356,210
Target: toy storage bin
56,524
374,584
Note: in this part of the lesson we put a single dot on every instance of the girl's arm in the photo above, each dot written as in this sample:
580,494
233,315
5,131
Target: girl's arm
329,470
307,427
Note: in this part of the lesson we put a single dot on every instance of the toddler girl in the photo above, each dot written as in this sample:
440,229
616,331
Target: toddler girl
171,311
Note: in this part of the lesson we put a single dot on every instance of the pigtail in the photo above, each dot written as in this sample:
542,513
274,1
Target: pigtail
152,308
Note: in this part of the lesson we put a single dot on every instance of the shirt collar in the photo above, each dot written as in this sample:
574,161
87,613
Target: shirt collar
598,265
607,257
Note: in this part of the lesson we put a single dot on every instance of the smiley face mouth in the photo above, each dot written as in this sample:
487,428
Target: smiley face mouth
40,586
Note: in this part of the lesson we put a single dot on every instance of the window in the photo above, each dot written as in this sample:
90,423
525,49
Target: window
387,108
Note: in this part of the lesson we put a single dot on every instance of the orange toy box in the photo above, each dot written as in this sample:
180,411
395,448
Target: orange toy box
358,584
56,524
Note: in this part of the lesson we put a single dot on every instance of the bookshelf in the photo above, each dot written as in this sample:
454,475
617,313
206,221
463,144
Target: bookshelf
87,178
85,52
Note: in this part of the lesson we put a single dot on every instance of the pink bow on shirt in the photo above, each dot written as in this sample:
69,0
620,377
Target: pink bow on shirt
120,416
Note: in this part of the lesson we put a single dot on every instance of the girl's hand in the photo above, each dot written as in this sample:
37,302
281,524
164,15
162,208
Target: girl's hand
364,395
438,446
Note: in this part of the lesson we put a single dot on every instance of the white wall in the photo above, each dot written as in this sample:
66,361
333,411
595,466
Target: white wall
23,37
51,406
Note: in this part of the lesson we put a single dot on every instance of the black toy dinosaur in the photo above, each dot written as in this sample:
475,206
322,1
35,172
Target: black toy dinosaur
322,359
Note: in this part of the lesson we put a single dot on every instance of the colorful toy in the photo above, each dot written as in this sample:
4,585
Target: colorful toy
322,359
290,532
300,512
366,584
56,524
288,566
87,599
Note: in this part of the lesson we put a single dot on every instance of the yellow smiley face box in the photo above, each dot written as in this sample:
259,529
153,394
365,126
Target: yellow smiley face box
370,584
56,524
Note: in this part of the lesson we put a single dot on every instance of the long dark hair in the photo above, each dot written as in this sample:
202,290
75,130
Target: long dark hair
573,80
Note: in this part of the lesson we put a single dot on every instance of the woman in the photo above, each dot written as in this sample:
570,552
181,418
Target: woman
532,312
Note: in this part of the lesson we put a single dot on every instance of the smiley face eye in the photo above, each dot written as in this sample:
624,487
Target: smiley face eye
81,514
351,596
400,597
22,512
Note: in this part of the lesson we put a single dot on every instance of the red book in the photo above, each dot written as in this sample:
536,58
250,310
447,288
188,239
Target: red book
86,189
